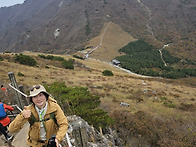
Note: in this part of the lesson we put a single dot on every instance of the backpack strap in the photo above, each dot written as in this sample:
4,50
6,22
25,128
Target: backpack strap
32,120
52,116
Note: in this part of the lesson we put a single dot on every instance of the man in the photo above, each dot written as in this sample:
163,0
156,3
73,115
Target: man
45,116
4,90
4,122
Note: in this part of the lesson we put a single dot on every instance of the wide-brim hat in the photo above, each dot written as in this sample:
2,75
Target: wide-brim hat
35,90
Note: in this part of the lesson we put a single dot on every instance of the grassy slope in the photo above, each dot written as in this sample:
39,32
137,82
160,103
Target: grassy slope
143,94
113,39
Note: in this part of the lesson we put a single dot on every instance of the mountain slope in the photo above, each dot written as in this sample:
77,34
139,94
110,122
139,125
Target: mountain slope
23,18
107,51
160,109
31,26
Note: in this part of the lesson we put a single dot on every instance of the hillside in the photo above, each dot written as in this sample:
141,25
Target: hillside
107,51
32,26
162,111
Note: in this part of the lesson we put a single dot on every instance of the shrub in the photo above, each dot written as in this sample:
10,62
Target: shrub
51,57
164,98
167,103
47,67
107,73
187,107
158,131
76,56
25,59
1,58
42,56
68,64
20,74
79,101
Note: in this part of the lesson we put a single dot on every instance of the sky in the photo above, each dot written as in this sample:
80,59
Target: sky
10,2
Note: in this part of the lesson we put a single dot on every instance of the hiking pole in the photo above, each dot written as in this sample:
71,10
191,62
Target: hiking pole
68,140
17,90
17,107
12,114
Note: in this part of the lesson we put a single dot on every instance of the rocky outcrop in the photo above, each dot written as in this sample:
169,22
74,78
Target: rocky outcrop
90,136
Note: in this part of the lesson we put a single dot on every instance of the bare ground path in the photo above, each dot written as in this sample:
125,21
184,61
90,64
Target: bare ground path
19,139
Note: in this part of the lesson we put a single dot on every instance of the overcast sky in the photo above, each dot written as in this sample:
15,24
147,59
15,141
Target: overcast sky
10,2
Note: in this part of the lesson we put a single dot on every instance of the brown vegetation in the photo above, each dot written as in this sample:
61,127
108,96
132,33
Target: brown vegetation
161,112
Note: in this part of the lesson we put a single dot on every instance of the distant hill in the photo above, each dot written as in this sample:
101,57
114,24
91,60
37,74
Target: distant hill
66,26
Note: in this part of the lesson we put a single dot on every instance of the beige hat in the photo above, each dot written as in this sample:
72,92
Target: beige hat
35,90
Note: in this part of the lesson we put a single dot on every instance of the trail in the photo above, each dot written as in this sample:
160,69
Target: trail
165,64
101,38
150,30
69,140
100,44
123,69
149,13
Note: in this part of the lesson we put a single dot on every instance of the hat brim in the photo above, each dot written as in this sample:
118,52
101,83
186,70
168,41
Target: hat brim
37,89
35,94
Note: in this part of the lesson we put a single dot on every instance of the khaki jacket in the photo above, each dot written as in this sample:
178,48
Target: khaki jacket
51,127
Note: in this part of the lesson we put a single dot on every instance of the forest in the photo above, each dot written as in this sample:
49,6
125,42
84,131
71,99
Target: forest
144,59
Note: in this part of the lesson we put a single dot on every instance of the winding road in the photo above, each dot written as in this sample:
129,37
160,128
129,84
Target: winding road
150,30
165,64
100,44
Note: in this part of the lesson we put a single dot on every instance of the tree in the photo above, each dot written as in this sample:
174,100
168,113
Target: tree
79,101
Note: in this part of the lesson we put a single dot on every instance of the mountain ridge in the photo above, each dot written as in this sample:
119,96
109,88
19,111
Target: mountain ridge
74,18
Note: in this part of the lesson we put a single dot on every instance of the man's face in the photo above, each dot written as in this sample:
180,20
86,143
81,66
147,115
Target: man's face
39,100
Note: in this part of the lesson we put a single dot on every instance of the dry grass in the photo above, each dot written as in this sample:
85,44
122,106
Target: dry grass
157,106
149,95
108,51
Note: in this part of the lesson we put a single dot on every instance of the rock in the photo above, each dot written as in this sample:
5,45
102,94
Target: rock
21,137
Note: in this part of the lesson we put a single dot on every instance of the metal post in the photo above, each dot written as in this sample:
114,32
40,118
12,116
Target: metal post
17,94
77,137
79,133
24,99
101,133
93,134
83,136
